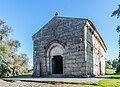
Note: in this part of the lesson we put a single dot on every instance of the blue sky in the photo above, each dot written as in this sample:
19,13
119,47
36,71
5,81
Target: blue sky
26,17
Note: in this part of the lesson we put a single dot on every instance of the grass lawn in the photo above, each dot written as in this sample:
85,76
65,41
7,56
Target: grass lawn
110,71
24,74
110,82
28,73
113,81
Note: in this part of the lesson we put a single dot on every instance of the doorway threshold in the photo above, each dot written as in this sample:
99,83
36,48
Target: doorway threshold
56,75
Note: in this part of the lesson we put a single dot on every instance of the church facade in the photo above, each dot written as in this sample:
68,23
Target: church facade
68,47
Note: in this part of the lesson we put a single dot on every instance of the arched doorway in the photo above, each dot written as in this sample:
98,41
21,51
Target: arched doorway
55,55
57,65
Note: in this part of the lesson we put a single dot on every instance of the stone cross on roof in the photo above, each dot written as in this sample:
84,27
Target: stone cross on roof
56,14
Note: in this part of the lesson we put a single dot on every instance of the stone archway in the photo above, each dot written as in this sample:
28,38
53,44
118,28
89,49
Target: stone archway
55,58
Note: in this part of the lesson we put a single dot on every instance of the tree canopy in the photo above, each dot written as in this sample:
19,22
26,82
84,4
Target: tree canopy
11,62
116,12
116,63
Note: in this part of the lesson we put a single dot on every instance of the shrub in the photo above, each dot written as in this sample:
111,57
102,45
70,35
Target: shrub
118,69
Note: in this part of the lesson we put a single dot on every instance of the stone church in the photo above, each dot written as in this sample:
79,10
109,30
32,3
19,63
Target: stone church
70,47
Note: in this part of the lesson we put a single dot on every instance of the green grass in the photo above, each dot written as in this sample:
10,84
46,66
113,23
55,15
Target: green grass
110,82
24,74
81,83
113,81
110,71
28,73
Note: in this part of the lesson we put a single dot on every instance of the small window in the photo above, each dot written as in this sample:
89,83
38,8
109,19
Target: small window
44,47
81,49
92,32
91,48
66,43
81,39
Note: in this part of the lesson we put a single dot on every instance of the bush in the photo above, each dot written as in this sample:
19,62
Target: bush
118,69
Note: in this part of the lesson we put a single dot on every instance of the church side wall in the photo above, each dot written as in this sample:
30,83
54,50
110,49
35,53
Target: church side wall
98,56
95,54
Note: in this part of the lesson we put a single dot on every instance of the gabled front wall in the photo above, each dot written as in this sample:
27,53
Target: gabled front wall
70,34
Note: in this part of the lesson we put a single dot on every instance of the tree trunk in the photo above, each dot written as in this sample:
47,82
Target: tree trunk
13,73
2,72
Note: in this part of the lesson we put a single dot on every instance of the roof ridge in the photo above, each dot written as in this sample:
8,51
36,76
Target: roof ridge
72,17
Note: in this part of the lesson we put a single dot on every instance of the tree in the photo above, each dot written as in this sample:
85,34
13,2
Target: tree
108,64
118,69
18,64
116,12
4,48
115,63
10,60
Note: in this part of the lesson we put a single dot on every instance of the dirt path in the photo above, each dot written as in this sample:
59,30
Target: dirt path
36,84
45,79
28,81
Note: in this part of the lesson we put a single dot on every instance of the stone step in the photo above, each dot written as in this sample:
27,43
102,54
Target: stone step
56,75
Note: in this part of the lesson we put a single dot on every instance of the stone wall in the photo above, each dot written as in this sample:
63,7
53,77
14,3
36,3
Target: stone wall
94,51
98,58
98,50
70,34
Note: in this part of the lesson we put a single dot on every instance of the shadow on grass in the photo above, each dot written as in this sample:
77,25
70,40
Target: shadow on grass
113,77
